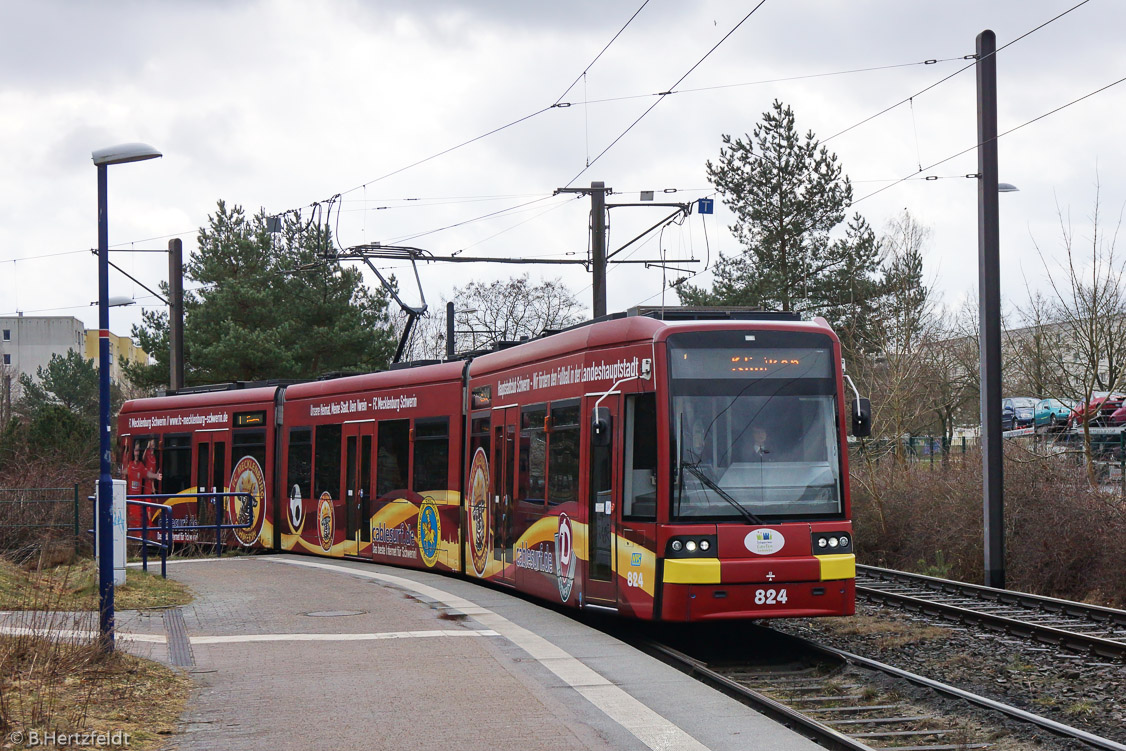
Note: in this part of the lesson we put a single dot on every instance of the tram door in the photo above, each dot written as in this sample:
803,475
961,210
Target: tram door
604,492
503,478
358,437
210,449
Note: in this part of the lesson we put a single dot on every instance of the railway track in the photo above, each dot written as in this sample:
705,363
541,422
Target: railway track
1076,626
845,701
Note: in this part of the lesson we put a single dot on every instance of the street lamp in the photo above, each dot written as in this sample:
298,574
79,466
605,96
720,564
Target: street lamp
103,158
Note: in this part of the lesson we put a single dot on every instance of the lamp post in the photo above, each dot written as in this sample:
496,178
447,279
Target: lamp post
103,158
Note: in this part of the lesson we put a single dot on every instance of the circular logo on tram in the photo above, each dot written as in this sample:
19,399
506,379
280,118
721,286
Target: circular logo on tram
429,532
565,557
764,541
326,524
296,510
479,511
247,510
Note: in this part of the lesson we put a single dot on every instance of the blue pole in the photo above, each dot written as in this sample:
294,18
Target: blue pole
105,482
145,539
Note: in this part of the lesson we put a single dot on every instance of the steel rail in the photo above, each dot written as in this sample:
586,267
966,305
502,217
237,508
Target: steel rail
1048,724
1098,645
1069,607
775,710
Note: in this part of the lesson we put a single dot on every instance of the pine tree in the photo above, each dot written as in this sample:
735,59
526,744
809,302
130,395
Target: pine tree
788,195
267,306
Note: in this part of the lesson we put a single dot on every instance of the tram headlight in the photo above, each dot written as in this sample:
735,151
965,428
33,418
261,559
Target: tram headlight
836,542
691,546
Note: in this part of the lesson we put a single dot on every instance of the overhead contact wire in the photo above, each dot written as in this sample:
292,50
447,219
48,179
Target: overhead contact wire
666,93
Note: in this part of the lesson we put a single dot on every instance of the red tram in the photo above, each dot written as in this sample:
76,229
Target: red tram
678,470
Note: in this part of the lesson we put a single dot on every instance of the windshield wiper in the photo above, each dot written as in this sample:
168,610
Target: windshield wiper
722,493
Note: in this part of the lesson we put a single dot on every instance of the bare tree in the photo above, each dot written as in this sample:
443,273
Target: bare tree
951,371
1081,321
895,372
490,312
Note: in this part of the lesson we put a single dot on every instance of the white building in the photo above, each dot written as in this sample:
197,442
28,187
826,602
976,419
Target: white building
28,342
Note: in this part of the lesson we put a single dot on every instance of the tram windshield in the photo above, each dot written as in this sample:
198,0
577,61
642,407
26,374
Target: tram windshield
754,425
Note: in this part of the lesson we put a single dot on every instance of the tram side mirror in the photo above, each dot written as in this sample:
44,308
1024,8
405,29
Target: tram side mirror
600,426
861,418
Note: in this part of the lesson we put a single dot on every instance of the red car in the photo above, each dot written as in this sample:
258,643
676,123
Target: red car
1103,410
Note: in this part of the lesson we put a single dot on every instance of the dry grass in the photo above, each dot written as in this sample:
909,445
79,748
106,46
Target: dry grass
75,587
49,684
1062,537
890,634
53,675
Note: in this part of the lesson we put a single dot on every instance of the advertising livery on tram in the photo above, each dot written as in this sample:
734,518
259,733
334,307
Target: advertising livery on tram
678,470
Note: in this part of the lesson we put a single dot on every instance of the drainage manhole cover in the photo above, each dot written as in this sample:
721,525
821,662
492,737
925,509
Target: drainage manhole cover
334,613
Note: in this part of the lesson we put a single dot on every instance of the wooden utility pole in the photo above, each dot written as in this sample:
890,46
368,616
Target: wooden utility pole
175,314
597,192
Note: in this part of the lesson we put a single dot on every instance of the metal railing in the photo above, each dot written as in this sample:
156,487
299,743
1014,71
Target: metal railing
165,527
215,500
165,543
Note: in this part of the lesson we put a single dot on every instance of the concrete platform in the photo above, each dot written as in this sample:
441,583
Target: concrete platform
292,652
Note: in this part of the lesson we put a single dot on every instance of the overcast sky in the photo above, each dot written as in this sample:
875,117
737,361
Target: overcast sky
278,104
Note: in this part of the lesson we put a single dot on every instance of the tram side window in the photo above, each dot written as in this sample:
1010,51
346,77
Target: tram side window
299,467
248,443
479,436
176,467
392,456
533,455
563,455
431,455
641,458
326,467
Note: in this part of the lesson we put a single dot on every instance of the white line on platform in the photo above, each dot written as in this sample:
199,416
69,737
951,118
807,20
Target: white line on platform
78,635
154,561
241,638
649,727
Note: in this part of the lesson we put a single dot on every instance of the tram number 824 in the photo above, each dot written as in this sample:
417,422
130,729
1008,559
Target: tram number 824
770,596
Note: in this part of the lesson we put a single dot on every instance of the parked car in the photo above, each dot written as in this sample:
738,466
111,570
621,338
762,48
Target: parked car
1053,414
1117,418
1100,411
1017,412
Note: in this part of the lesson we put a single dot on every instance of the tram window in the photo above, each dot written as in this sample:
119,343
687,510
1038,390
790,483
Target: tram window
479,435
176,465
431,455
533,455
563,454
326,466
139,457
641,458
393,456
300,465
250,443
218,464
